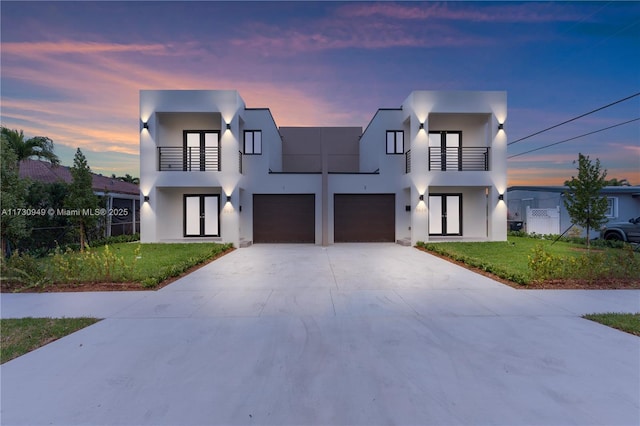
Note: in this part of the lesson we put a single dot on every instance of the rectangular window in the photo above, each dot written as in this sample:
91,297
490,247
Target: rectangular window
395,142
612,207
253,142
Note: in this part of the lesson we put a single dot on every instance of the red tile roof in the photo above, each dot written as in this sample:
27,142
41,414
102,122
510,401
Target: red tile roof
44,172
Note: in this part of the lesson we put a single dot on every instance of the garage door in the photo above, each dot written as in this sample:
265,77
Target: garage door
364,218
284,218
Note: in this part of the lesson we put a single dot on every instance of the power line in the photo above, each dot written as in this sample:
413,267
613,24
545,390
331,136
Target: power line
575,137
575,118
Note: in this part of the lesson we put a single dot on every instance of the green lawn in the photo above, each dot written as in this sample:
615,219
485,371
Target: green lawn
625,322
148,264
510,259
23,335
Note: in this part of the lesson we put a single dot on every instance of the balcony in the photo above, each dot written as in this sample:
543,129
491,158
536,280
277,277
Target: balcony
189,159
461,159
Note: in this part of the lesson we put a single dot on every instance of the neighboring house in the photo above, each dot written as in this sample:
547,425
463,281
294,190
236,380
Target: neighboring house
212,169
121,197
547,202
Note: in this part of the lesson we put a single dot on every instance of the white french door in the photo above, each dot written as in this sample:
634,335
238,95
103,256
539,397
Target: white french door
445,214
201,217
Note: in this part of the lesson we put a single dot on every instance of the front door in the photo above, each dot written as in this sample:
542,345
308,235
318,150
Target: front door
201,218
445,214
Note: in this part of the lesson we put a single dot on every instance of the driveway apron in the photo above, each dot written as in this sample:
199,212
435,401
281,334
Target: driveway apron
350,334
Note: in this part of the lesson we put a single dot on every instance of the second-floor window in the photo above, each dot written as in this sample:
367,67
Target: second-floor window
395,142
253,142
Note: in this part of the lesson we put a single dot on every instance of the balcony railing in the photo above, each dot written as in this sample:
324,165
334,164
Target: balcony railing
181,159
407,161
240,161
461,159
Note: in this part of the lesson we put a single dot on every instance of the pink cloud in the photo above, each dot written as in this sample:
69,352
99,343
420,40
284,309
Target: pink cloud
526,12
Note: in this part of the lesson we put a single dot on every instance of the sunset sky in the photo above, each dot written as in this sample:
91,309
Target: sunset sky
72,71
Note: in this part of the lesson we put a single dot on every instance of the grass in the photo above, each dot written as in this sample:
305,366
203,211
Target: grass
23,335
629,323
148,264
508,260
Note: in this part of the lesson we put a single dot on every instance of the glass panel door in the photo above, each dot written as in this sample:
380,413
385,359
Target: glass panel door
453,215
201,215
192,154
192,216
435,214
445,214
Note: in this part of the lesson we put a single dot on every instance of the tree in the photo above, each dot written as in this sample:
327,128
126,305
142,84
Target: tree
126,178
618,182
38,146
12,195
583,201
80,200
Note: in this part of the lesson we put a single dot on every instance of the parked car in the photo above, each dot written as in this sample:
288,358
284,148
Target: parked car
622,231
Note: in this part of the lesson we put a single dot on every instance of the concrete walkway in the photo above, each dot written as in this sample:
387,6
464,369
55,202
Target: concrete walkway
349,334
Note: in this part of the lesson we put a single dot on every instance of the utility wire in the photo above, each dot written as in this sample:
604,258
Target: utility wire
575,118
575,137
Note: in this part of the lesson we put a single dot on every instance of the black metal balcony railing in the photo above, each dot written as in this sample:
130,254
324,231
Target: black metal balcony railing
461,159
181,159
407,161
240,161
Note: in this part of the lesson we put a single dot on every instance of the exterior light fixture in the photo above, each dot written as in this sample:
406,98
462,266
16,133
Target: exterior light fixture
421,197
228,126
146,198
145,125
228,198
421,126
500,126
501,197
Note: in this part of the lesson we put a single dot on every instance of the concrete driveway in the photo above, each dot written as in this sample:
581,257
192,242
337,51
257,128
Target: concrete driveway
350,334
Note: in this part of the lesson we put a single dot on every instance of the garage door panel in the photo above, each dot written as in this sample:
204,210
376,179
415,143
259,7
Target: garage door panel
284,218
364,218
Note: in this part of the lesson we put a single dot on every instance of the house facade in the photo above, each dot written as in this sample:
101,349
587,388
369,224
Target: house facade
212,169
541,208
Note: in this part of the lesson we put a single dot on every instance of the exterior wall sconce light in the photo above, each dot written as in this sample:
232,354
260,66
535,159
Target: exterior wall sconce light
146,198
421,126
421,197
228,126
500,126
228,198
145,125
501,197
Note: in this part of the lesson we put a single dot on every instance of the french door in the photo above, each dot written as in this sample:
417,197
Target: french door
445,150
201,150
445,214
201,216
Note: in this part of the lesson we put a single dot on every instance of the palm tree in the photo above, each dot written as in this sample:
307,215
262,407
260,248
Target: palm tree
38,146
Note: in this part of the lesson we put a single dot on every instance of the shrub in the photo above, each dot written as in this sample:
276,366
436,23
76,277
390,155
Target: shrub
25,269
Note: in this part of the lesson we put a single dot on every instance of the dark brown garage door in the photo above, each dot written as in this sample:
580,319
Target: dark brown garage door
364,218
284,218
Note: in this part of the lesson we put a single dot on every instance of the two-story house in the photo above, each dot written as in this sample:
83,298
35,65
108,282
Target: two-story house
212,169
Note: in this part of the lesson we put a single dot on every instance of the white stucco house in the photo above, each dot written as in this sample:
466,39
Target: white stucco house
212,169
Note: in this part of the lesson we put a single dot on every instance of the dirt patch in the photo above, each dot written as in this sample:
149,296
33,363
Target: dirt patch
570,284
12,287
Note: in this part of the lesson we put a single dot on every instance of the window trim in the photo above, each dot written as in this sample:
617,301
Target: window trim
395,142
253,148
613,206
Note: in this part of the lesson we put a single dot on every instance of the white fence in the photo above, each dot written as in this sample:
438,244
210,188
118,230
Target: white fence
543,221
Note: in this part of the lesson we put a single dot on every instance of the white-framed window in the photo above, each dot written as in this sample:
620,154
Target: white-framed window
253,142
395,142
612,207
